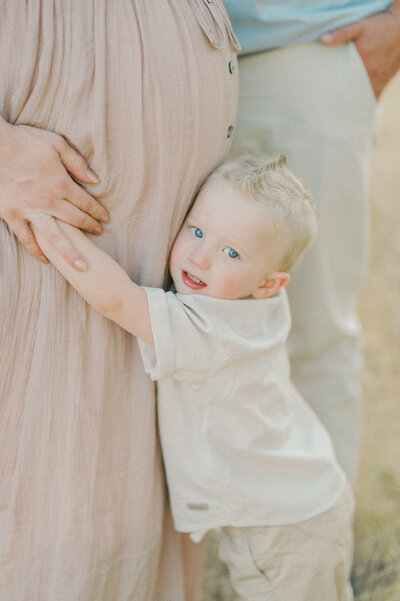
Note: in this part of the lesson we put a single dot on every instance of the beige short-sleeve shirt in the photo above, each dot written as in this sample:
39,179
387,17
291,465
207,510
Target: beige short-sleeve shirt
241,446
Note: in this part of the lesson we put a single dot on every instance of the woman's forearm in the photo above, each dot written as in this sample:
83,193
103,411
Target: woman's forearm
104,285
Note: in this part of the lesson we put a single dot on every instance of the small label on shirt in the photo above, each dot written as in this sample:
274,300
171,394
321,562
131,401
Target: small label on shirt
198,506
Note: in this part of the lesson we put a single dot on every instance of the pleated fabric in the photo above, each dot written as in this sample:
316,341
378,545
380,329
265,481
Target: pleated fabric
146,90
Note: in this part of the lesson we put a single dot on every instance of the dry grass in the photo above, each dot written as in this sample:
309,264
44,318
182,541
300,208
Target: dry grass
376,573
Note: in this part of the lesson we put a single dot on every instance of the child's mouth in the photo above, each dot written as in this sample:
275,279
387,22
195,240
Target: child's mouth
191,281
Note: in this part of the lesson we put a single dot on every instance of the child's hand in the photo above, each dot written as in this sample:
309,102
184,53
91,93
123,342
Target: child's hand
45,225
99,280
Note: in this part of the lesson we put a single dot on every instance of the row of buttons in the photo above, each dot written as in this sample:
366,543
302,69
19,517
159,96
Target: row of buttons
231,67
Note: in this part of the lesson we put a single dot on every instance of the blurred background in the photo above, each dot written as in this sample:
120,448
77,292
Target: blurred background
376,571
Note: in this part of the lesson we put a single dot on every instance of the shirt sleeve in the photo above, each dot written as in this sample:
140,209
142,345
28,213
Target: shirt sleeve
183,339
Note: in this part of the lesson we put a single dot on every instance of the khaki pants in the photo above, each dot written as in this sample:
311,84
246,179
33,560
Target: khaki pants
317,106
308,561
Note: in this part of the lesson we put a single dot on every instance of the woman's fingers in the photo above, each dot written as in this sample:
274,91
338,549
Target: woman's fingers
69,213
74,162
49,229
35,179
76,165
86,203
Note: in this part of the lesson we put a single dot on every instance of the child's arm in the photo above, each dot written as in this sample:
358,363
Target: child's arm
105,285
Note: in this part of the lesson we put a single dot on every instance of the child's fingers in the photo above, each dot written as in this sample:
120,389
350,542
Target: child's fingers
49,234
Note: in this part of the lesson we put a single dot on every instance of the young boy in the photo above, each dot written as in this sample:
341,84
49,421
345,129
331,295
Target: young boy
242,449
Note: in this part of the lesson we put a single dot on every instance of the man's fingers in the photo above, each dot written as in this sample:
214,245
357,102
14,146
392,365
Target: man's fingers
74,162
47,227
25,235
342,34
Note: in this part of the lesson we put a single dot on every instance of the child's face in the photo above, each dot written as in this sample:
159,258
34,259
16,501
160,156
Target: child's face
224,248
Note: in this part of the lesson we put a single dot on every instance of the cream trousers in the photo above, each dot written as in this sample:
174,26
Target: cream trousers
307,561
316,105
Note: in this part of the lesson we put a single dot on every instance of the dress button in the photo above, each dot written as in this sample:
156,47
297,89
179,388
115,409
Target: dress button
231,66
230,131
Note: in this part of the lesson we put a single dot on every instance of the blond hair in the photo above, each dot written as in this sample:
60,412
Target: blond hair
270,181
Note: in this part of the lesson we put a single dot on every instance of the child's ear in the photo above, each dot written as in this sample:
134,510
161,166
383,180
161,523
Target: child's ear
272,284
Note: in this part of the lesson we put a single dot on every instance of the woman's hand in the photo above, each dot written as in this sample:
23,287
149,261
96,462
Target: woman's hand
35,177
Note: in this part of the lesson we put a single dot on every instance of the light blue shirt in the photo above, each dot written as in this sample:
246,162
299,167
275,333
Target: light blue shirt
265,24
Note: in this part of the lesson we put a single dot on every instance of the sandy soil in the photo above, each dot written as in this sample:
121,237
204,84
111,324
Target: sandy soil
376,573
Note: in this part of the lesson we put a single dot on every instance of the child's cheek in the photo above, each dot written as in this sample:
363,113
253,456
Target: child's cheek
176,250
229,286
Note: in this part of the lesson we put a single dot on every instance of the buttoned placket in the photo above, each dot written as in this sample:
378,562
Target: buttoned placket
231,68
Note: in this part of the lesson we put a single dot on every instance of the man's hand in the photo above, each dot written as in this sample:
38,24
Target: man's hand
377,39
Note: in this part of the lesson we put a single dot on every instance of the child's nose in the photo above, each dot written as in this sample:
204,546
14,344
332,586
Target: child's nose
201,259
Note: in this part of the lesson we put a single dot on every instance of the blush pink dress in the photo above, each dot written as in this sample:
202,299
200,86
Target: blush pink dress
147,91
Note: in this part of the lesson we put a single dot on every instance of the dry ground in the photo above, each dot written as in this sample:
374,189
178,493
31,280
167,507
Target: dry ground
376,573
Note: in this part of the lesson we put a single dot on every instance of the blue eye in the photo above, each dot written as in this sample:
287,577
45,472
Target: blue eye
197,232
231,252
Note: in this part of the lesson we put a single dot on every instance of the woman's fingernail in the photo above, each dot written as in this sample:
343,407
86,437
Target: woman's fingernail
80,265
92,176
327,37
98,229
105,219
43,259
